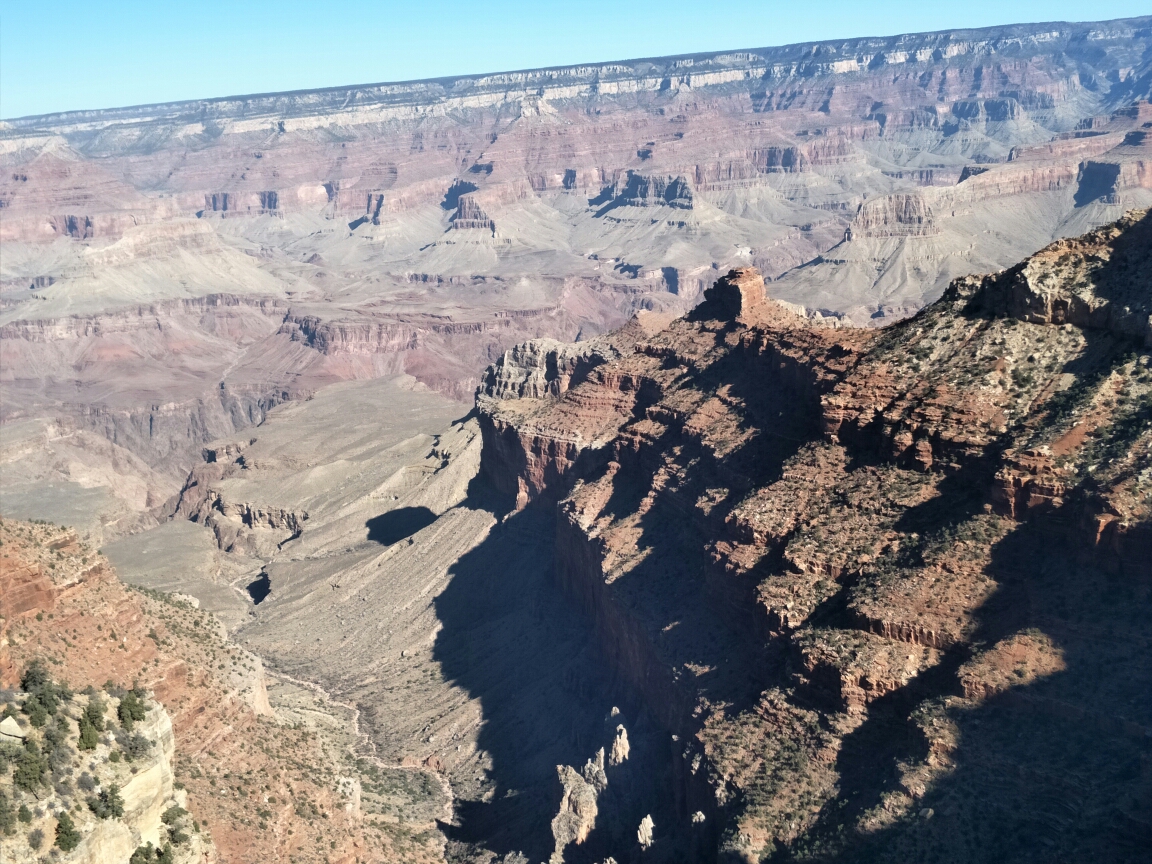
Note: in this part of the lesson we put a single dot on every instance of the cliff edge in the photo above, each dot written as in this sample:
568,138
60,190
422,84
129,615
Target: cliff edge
887,591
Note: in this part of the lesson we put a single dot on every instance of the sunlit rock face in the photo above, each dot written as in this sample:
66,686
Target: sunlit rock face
173,272
844,567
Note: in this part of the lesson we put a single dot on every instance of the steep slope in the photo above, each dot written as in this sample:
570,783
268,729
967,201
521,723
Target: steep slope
887,590
124,799
271,771
362,555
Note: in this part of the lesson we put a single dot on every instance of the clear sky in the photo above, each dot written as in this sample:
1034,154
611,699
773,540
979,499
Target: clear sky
58,55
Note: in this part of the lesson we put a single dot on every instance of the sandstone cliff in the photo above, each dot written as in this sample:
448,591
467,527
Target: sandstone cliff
886,590
135,768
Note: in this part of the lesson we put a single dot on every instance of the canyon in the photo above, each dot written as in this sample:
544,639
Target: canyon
732,457
170,273
863,578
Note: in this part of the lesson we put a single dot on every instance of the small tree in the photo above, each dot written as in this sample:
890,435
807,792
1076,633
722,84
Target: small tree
132,709
108,804
67,837
35,838
133,746
35,676
94,712
37,713
7,815
30,768
24,814
9,753
56,732
147,854
88,735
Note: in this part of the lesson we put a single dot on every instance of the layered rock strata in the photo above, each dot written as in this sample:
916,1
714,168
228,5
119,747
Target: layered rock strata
844,568
172,272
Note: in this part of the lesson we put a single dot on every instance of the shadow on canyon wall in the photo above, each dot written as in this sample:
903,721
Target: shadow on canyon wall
1053,770
1058,769
512,639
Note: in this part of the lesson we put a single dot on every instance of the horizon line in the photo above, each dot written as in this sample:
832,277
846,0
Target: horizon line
446,78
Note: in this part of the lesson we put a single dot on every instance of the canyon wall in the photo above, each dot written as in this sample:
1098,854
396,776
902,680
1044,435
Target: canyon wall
842,567
171,272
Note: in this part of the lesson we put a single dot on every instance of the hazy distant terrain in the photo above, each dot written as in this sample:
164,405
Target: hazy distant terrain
170,272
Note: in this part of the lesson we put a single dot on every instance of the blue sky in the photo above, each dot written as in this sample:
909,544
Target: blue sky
58,55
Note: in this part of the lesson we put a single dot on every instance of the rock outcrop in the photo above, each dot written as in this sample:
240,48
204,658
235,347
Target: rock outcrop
841,568
252,778
136,769
904,215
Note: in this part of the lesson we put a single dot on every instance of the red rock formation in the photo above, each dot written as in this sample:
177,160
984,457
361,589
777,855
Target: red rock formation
608,189
257,787
788,537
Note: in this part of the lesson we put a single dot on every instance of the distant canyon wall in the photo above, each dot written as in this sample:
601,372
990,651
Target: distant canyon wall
172,272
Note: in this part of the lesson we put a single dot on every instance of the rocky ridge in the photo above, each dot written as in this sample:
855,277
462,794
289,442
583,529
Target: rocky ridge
172,272
841,568
280,778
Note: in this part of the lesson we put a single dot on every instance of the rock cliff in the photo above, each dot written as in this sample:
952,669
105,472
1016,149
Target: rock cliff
172,272
133,769
843,569
263,781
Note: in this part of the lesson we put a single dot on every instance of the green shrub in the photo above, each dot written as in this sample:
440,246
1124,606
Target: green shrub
9,753
30,768
108,804
24,814
57,749
94,712
172,815
37,713
88,735
147,854
7,814
35,838
56,733
35,676
67,837
131,709
133,746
